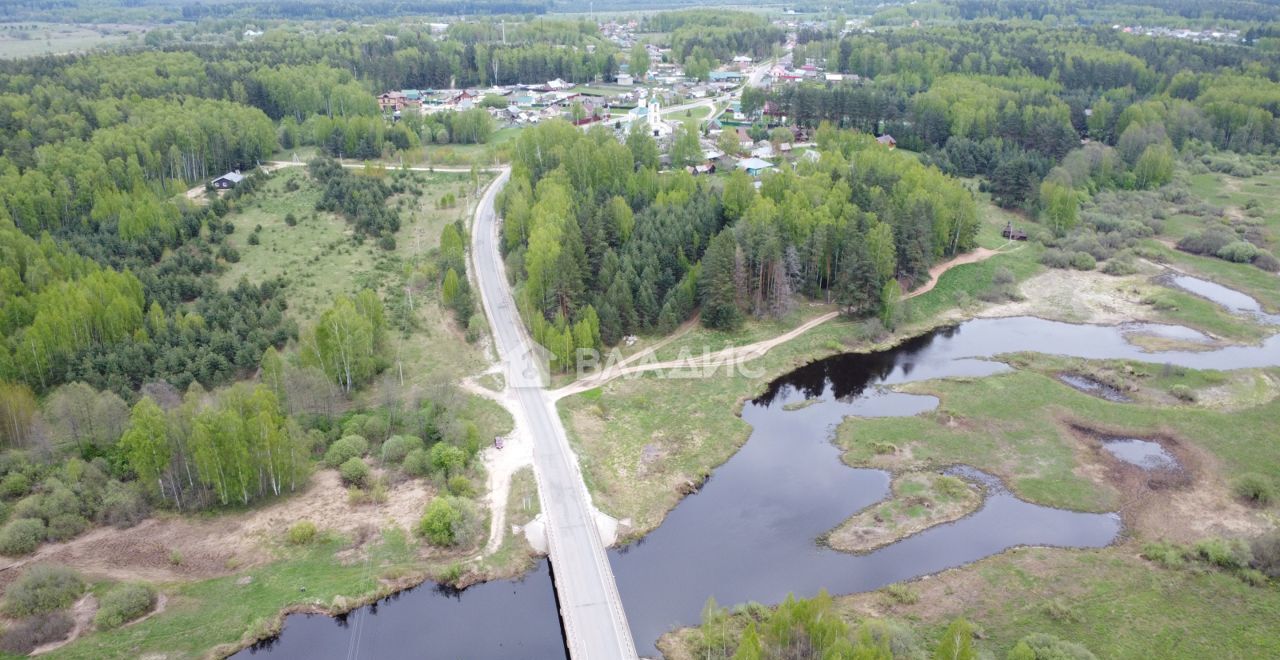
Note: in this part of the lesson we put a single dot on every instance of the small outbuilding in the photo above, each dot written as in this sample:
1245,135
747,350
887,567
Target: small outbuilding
888,141
228,180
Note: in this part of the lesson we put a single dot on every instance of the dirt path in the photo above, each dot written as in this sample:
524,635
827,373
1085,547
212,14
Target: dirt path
501,464
979,254
740,354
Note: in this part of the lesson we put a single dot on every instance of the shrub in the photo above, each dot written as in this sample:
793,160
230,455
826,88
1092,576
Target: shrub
387,242
1055,258
1267,261
417,462
345,449
1241,252
438,522
1120,265
1041,646
14,485
950,486
901,593
1254,489
1231,555
1166,554
21,536
398,446
1183,393
1083,261
1209,241
1002,276
450,521
375,427
124,603
1266,554
42,588
302,532
65,526
354,471
290,219
123,506
461,486
23,637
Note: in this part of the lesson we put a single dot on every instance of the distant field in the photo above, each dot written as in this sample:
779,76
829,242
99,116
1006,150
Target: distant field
19,40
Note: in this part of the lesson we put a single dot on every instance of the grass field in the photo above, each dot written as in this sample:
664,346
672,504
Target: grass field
203,615
1016,425
32,39
488,154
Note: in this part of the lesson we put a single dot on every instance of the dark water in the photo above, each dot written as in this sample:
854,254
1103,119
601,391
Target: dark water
1231,299
502,619
750,533
1145,454
1091,386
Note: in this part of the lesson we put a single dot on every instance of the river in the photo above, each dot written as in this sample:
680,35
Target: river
750,534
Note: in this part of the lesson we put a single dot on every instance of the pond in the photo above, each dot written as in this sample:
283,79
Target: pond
1145,454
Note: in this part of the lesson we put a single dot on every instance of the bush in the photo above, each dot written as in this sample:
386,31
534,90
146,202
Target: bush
290,219
1055,258
438,522
123,506
1209,241
25,636
1267,261
1183,393
302,532
417,462
1230,555
1002,276
1241,252
461,486
354,472
65,526
1083,261
14,485
1266,554
1254,489
397,447
123,604
42,588
387,242
1166,554
345,449
1040,646
450,521
1121,264
21,537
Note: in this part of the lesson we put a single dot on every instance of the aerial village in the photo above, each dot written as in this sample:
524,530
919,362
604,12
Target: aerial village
659,101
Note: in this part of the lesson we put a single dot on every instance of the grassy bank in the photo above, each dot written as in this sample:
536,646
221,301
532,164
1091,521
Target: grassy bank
203,615
645,441
1111,601
1017,425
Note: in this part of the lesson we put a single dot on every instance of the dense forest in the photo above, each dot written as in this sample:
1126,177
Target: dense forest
608,247
132,375
1009,102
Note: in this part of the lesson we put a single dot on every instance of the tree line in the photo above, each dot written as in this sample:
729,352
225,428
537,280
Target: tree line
604,244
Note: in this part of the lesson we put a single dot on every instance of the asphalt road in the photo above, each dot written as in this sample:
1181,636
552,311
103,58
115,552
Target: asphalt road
594,622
